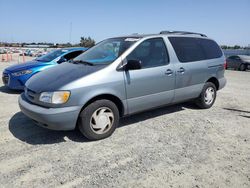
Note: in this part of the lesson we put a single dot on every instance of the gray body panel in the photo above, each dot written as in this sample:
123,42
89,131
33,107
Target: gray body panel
53,118
190,78
138,90
149,88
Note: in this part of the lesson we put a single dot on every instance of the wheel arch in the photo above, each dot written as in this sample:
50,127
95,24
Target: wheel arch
116,100
215,81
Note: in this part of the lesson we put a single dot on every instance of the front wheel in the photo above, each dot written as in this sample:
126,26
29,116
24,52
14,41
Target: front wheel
98,120
207,96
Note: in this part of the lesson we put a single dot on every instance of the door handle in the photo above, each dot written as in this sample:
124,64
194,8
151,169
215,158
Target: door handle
169,72
181,70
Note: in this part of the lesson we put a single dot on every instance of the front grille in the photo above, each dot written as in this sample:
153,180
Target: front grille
5,79
30,94
33,97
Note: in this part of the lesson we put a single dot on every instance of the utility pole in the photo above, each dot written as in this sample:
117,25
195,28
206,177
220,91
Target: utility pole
70,32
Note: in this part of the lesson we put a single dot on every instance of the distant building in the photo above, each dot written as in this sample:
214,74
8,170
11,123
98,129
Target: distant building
36,46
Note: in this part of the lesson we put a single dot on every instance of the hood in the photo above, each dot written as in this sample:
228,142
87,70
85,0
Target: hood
27,65
54,78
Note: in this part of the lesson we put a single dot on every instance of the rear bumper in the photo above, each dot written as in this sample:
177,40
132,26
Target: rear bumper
222,83
52,118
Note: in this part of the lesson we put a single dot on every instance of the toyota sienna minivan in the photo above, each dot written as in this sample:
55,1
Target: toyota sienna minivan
122,76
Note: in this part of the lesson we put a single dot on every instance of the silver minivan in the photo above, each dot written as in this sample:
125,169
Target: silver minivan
122,76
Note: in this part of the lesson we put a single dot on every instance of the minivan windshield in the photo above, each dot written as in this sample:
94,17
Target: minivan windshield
106,51
51,55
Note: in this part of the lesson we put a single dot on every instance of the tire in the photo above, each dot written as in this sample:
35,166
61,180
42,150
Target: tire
98,120
207,96
242,67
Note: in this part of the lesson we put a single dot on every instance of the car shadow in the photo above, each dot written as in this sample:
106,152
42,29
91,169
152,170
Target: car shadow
24,129
5,89
156,112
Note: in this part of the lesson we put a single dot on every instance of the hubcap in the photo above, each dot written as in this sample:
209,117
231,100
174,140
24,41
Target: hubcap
209,95
102,120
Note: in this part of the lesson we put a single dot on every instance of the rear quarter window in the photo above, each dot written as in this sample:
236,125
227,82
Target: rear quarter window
212,50
190,49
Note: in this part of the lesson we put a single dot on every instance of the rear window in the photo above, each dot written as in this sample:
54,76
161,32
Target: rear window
195,49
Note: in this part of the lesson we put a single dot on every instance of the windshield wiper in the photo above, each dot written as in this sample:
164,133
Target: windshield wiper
83,62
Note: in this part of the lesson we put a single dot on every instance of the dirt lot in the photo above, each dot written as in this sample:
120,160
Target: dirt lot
176,146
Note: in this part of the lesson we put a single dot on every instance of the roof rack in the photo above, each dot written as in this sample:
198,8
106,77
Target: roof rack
182,33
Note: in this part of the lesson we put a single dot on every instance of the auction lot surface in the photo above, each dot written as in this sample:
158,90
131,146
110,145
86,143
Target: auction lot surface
176,146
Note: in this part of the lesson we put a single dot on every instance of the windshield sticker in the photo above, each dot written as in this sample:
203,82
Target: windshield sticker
65,50
131,39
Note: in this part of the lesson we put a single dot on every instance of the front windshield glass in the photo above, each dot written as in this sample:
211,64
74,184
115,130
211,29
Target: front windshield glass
106,51
51,55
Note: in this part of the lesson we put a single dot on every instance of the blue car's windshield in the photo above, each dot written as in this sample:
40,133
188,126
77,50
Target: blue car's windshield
51,55
106,51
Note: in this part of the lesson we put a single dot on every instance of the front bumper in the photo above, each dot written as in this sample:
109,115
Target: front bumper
5,79
64,118
12,82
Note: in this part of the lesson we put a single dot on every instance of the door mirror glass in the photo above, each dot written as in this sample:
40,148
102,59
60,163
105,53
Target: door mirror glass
133,65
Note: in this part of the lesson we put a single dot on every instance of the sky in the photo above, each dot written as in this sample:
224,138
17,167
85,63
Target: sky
62,21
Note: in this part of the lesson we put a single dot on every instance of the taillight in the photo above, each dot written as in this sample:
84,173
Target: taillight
225,64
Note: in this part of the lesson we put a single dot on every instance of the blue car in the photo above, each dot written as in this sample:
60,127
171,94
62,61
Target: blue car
14,77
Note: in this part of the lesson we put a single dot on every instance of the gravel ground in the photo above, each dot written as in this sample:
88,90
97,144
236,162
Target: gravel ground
176,146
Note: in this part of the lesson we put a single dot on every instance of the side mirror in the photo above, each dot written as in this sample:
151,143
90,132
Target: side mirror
61,60
133,65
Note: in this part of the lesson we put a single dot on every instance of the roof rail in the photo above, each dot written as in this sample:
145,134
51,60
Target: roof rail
182,33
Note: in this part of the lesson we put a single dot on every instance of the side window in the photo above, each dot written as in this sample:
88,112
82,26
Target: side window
187,49
72,55
190,49
211,49
151,53
237,58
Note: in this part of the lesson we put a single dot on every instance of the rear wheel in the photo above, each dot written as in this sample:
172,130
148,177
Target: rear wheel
99,119
207,96
242,67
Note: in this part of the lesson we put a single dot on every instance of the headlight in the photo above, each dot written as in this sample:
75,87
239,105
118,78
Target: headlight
20,73
57,97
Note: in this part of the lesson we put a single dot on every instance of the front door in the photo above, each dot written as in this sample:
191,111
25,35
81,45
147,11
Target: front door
153,84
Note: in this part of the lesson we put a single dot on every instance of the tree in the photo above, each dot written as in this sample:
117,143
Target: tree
224,47
236,47
87,42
